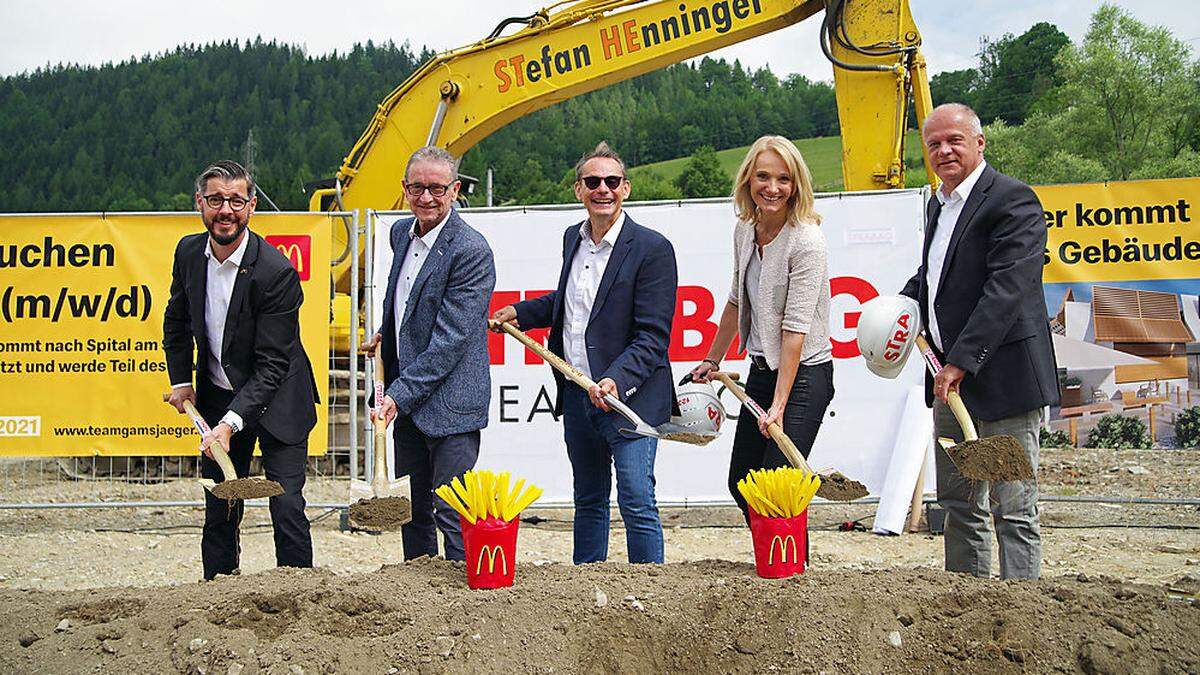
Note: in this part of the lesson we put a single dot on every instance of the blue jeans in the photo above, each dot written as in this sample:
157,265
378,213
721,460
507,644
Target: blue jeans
594,447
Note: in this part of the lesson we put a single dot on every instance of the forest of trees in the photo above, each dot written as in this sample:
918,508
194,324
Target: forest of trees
132,136
1124,103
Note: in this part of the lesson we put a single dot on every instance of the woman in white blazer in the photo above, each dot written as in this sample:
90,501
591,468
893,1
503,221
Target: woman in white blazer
779,304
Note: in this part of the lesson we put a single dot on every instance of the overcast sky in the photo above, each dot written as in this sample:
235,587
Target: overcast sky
34,34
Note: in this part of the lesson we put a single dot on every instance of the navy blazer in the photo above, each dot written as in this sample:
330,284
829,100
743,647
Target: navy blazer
629,329
261,350
437,367
990,306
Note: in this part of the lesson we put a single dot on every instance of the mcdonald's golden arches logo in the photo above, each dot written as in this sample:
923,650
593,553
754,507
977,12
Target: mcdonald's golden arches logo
492,553
783,547
297,249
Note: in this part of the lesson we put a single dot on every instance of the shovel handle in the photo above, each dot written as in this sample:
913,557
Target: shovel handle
781,439
570,372
379,480
952,398
218,451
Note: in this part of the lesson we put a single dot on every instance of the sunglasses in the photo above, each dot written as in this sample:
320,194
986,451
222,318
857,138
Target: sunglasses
613,182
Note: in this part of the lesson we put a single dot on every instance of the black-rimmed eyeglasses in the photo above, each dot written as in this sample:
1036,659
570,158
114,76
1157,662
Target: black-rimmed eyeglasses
237,203
416,189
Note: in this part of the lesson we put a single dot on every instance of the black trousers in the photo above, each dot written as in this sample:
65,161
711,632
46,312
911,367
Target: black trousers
220,544
811,393
429,463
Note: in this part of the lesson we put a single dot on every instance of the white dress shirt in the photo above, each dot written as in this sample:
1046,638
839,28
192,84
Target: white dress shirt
753,277
419,248
218,291
952,206
583,281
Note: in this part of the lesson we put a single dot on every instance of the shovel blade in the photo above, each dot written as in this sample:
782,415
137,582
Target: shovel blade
676,432
994,458
385,508
361,489
670,432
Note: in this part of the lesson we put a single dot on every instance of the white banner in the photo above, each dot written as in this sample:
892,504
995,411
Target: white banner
874,247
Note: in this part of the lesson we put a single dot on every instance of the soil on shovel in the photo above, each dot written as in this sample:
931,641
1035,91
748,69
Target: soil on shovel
247,488
837,487
689,437
381,513
996,458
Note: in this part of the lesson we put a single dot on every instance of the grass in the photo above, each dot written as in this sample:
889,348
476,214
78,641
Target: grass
823,156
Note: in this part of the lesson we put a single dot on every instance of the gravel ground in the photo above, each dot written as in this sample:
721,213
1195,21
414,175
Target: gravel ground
78,549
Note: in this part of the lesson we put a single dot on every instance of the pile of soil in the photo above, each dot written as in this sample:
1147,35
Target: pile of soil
709,616
998,458
247,488
381,513
837,487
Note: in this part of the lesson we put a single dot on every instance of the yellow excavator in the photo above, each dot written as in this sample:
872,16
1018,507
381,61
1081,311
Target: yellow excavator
458,98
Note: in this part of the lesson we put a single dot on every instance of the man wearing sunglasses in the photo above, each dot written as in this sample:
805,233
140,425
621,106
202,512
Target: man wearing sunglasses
235,300
610,317
434,340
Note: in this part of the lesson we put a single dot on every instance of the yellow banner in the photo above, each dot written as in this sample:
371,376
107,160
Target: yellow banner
1122,231
82,369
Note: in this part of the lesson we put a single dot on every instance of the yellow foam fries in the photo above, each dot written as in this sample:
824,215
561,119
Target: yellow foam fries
779,493
480,494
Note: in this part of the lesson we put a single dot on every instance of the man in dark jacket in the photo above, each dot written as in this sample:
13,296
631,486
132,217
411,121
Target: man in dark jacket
610,317
235,300
980,291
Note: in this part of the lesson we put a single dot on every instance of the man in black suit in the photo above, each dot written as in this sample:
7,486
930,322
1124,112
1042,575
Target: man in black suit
980,291
236,300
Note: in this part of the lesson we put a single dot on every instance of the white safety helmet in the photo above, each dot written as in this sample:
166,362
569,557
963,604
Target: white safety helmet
699,408
887,329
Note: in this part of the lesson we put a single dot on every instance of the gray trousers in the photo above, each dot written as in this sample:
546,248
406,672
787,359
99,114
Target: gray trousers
430,463
1012,504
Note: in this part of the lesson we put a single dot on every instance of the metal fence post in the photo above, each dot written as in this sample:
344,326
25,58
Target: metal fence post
369,315
353,384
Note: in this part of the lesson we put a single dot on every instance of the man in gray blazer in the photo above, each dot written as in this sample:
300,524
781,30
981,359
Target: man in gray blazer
434,341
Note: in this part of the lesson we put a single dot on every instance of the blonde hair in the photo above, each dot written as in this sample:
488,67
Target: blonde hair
800,204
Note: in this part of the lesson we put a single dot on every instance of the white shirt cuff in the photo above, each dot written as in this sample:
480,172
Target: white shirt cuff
181,384
234,420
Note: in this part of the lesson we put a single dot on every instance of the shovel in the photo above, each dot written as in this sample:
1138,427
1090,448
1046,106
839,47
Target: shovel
996,458
667,431
382,504
232,487
834,486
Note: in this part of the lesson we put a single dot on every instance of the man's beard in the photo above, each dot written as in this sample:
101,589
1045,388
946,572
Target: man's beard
224,240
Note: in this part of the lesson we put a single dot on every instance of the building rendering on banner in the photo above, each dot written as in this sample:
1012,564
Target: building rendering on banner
1125,351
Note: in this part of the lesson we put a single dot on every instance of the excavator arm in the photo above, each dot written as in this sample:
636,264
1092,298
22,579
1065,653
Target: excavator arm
460,97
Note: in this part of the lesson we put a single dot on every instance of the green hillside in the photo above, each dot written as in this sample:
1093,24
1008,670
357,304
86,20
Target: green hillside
823,156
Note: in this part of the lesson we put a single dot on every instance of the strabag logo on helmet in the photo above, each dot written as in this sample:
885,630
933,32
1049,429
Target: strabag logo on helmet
699,408
894,349
717,415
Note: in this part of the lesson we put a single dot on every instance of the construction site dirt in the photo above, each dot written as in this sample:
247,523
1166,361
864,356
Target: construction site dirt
116,590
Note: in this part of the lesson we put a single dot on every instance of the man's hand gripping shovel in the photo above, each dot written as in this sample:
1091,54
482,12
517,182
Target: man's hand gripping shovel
382,504
231,487
998,458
